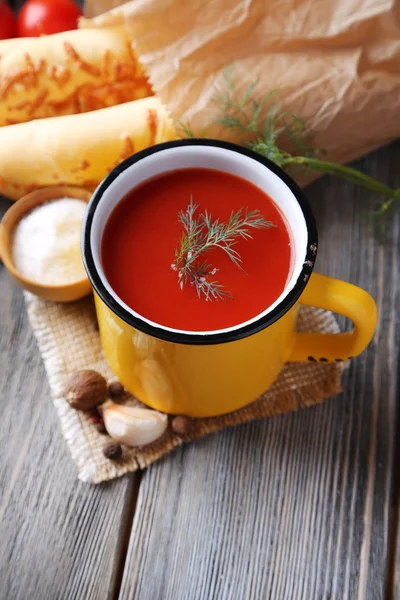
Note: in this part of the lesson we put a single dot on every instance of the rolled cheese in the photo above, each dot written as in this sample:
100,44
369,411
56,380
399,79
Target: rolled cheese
68,73
78,149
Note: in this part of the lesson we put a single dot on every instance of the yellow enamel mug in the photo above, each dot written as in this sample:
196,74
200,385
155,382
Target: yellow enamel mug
214,372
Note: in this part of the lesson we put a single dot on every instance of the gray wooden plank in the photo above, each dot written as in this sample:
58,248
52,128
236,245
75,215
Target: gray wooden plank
298,506
59,538
394,564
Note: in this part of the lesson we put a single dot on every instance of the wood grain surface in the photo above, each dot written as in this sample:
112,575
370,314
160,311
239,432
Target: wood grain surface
298,506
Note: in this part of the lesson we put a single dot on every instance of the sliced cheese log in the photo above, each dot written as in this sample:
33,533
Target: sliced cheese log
78,149
68,73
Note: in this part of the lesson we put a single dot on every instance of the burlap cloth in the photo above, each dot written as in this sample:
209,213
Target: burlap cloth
68,339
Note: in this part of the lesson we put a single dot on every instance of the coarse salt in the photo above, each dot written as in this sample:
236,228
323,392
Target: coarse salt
46,242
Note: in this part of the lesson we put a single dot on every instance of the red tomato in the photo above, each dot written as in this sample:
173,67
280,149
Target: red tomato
43,17
8,25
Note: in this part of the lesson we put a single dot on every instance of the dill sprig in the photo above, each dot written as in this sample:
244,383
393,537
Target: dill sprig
202,234
283,138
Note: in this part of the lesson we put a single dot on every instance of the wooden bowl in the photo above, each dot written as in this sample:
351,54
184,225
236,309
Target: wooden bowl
57,293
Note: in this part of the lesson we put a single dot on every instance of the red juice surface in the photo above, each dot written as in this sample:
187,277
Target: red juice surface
143,231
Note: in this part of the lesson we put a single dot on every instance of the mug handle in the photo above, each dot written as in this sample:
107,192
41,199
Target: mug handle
342,298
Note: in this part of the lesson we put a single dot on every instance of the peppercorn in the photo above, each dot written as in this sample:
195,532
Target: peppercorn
112,451
115,389
182,425
101,428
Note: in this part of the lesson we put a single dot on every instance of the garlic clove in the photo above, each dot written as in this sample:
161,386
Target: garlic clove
131,425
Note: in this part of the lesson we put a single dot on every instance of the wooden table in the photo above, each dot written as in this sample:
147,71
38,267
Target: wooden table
301,506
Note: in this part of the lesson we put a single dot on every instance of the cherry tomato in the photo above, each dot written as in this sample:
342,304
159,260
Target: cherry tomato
8,23
43,17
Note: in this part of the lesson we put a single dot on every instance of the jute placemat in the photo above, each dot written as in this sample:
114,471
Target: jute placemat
68,340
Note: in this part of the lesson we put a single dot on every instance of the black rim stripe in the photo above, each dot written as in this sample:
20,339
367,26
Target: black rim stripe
198,339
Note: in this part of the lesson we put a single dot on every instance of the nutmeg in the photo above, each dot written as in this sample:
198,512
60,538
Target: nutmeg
182,425
85,390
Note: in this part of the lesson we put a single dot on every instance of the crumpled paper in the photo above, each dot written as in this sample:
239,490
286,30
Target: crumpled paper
97,7
336,63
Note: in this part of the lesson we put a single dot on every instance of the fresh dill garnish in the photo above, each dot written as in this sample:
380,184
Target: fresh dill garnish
202,234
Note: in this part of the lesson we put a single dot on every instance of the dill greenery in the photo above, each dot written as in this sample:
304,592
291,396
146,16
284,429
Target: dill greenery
202,234
283,138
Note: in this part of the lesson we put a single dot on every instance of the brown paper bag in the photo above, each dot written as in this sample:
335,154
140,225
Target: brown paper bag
92,8
336,63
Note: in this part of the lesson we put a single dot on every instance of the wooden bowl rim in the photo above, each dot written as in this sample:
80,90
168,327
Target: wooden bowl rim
20,208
